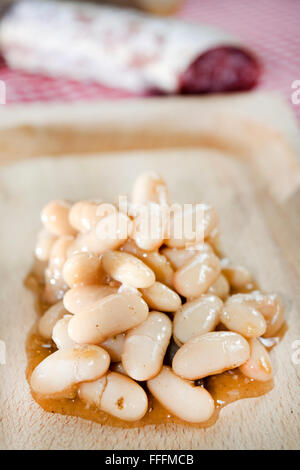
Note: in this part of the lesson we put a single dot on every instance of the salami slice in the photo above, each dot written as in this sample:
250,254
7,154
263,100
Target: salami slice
123,48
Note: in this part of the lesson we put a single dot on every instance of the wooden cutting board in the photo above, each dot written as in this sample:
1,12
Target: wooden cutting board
238,153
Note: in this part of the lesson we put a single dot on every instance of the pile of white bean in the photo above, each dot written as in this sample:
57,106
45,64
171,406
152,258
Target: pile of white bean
116,304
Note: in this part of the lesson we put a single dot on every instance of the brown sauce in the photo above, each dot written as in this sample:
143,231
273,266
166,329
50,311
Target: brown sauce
225,388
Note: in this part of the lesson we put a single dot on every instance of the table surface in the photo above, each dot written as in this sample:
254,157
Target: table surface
269,27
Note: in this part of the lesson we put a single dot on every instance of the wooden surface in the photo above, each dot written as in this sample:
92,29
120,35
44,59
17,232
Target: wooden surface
258,221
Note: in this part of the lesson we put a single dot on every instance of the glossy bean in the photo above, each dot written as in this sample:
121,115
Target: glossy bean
243,317
128,269
181,397
62,371
117,395
156,261
145,346
110,316
50,318
209,354
60,335
82,269
258,366
114,346
161,297
197,275
45,241
196,317
149,187
55,217
80,298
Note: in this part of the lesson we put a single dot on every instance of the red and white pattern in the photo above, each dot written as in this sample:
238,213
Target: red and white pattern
270,28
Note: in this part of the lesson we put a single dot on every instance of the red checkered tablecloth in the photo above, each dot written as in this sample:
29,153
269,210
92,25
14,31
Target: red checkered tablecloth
271,28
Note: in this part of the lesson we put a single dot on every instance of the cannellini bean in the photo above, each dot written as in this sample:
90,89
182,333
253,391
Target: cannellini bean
45,241
50,318
59,253
149,228
60,334
127,269
149,187
238,277
197,275
258,366
61,371
196,318
271,307
189,225
110,316
161,297
214,241
55,285
117,395
240,316
55,217
83,215
157,262
114,346
210,354
145,346
80,298
109,234
220,287
113,230
179,256
82,269
181,397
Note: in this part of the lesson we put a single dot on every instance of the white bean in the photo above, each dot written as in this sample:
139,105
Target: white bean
55,285
220,287
239,277
196,317
55,217
62,371
145,346
209,354
45,241
109,233
149,187
197,275
82,269
83,215
258,366
127,269
181,397
60,334
117,395
110,316
161,297
80,298
189,225
157,262
114,346
50,318
243,317
179,256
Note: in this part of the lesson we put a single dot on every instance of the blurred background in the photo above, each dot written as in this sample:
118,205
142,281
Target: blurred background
268,29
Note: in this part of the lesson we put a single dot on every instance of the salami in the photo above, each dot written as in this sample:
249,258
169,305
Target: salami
124,48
